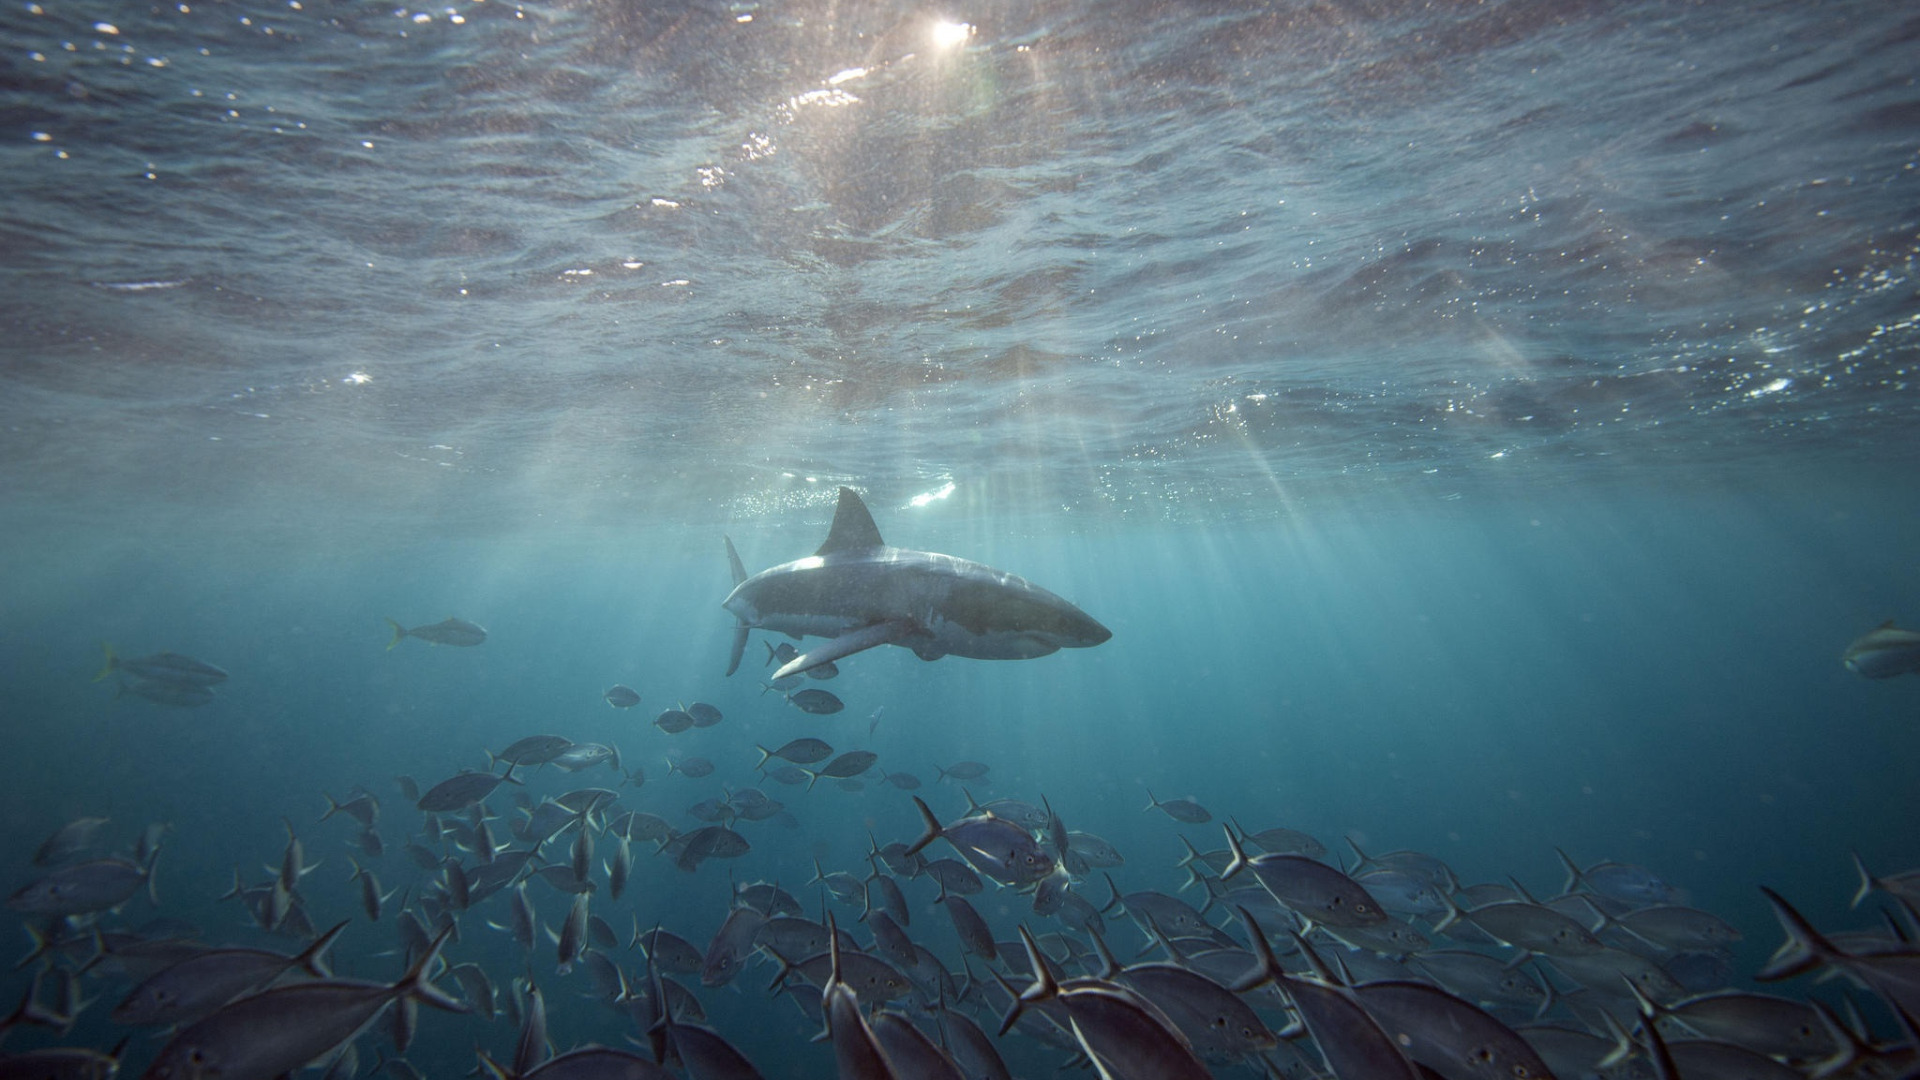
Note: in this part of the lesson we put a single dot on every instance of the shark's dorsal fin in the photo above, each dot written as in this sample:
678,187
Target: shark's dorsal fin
853,527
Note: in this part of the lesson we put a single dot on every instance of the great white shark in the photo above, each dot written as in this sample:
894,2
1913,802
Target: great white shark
857,592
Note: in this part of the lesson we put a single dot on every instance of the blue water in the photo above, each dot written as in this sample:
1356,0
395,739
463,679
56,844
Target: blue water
1482,427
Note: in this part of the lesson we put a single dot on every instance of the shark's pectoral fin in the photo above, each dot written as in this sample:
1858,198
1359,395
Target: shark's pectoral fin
853,641
739,647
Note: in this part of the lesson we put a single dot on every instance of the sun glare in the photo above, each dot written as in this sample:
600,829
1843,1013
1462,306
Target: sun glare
947,35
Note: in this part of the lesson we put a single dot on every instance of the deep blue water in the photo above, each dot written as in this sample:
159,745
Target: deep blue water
1481,426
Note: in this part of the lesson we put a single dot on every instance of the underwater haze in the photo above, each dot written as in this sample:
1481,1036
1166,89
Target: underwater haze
1483,427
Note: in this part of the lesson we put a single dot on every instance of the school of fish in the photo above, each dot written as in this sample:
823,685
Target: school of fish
978,941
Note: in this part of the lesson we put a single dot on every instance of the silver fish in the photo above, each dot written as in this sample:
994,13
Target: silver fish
909,1052
202,983
856,1050
802,751
371,898
620,868
890,941
1481,979
1097,853
621,697
270,1034
693,768
731,945
585,756
573,935
461,791
891,898
1883,652
817,702
532,750
1125,1036
68,840
1448,1035
1182,810
80,888
163,668
999,849
1524,924
706,1055
972,1049
1314,889
850,764
972,930
670,952
1355,1045
448,631
1620,881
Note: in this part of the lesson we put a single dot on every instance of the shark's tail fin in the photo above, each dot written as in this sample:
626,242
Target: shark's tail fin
739,632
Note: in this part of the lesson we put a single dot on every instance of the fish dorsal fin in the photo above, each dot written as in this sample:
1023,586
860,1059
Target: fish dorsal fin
853,527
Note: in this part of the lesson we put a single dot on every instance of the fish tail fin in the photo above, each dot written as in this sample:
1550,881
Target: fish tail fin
1015,1009
30,1011
1315,962
1045,987
1867,882
493,1068
333,807
314,959
780,977
1804,949
1113,901
398,633
1574,876
1622,1048
932,824
734,566
107,665
1239,860
1109,964
739,644
417,983
765,754
1452,916
1151,802
42,944
812,778
1361,858
738,647
153,891
1268,968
